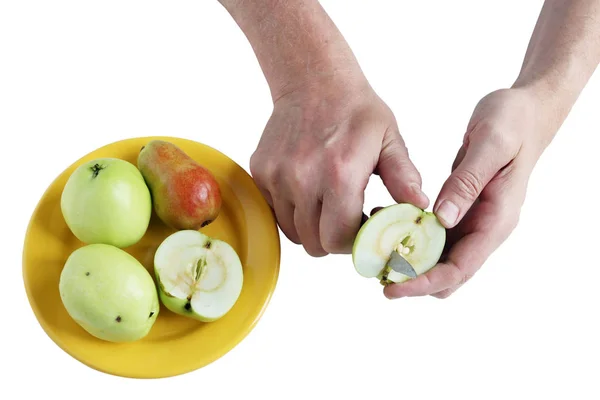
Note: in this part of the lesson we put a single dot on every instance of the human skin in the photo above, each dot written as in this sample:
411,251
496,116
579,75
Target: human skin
509,130
329,131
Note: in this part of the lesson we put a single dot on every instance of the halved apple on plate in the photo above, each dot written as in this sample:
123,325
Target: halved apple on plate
198,276
416,235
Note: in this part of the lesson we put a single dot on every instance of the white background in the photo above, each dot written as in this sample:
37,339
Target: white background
75,75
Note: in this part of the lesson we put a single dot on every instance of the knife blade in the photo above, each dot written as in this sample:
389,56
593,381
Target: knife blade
400,265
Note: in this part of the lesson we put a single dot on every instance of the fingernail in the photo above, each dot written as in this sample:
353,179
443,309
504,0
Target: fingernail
448,212
417,190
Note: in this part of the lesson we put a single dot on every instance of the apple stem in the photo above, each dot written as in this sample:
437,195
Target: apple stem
96,170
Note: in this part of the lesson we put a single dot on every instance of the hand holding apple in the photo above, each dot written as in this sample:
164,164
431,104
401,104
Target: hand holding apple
315,157
328,132
481,201
415,234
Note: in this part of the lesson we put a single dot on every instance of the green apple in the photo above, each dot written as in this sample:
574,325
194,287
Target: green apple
107,201
416,234
109,293
198,276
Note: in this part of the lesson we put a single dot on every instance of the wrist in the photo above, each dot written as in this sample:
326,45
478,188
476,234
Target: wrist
337,85
556,94
323,71
296,44
546,110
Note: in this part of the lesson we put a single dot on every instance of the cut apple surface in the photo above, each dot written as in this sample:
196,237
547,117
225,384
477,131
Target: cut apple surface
199,277
416,234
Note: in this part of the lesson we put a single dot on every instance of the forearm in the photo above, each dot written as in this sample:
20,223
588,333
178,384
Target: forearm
563,53
295,42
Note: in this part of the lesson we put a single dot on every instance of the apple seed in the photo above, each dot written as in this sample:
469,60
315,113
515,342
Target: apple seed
415,234
200,268
200,277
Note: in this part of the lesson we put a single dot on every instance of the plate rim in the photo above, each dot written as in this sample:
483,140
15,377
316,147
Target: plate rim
238,338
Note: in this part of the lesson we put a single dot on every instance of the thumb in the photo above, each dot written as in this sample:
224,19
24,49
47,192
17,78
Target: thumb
398,173
480,162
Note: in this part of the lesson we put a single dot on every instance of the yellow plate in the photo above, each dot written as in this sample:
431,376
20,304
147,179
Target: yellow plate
176,344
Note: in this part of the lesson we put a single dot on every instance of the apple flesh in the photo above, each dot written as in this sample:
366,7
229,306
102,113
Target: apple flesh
416,234
107,201
109,293
198,277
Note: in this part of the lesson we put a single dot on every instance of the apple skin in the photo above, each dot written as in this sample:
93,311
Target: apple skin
109,293
216,291
107,201
384,230
178,306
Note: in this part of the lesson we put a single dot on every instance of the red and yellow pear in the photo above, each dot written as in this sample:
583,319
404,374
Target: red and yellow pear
185,194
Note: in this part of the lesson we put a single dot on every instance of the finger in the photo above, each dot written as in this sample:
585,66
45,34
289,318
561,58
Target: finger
499,214
482,160
444,294
341,218
284,212
399,174
306,220
267,196
459,157
465,258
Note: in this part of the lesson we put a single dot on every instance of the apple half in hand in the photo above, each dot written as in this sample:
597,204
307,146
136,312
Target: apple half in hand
198,276
417,235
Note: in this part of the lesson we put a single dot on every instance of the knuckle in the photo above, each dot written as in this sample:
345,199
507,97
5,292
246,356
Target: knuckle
495,135
298,175
501,142
340,172
291,237
444,294
333,246
263,168
340,238
256,164
467,185
465,278
502,138
315,251
390,153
